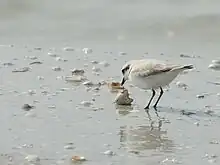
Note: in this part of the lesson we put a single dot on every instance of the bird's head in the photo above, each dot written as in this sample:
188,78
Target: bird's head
125,72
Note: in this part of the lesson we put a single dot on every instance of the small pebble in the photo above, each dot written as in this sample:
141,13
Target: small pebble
183,112
88,83
181,85
200,96
94,62
186,56
77,71
51,106
196,123
87,50
78,159
37,48
27,107
91,84
86,103
95,69
56,68
64,89
31,92
104,63
96,89
103,82
59,78
75,78
30,57
52,54
33,159
86,65
96,73
36,62
69,146
122,53
216,61
212,160
40,77
214,66
68,49
209,112
24,69
60,59
214,142
109,152
8,64
135,152
106,52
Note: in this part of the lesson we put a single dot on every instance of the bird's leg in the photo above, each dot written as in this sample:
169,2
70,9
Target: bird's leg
153,94
161,93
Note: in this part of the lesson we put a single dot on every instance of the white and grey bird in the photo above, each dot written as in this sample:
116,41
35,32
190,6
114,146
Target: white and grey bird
151,74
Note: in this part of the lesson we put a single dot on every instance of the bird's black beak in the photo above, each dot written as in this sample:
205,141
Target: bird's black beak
122,81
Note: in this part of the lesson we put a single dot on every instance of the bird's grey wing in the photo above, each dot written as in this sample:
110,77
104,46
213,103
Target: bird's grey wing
149,69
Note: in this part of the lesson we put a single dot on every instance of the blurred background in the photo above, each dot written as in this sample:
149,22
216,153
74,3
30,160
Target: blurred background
109,21
41,30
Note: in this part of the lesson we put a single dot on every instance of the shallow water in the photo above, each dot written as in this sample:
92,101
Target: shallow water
142,29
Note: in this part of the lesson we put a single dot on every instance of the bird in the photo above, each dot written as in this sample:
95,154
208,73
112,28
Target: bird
151,74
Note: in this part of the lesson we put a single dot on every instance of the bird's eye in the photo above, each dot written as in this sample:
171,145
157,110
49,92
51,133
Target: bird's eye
125,69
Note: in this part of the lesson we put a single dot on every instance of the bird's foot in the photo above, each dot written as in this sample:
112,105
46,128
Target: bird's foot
155,107
147,108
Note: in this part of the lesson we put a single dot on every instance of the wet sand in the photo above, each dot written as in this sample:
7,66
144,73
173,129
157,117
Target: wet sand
59,126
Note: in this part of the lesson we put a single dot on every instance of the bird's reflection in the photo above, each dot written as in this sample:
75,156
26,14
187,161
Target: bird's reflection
123,110
145,137
148,114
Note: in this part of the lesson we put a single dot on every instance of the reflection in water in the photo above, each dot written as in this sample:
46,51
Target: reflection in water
145,138
123,110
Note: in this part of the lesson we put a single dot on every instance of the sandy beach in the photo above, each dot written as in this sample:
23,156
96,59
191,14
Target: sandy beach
42,41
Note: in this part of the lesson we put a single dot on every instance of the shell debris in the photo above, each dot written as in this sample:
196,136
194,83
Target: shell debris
86,103
122,53
68,49
78,159
96,69
123,98
104,63
60,59
32,159
216,61
30,57
35,62
87,50
181,85
115,86
77,71
27,107
56,68
75,78
24,69
40,77
52,54
109,153
214,66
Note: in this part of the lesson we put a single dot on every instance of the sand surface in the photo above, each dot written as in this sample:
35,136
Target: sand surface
71,119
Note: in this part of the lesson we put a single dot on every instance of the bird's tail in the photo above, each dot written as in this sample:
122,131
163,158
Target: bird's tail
188,66
184,67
